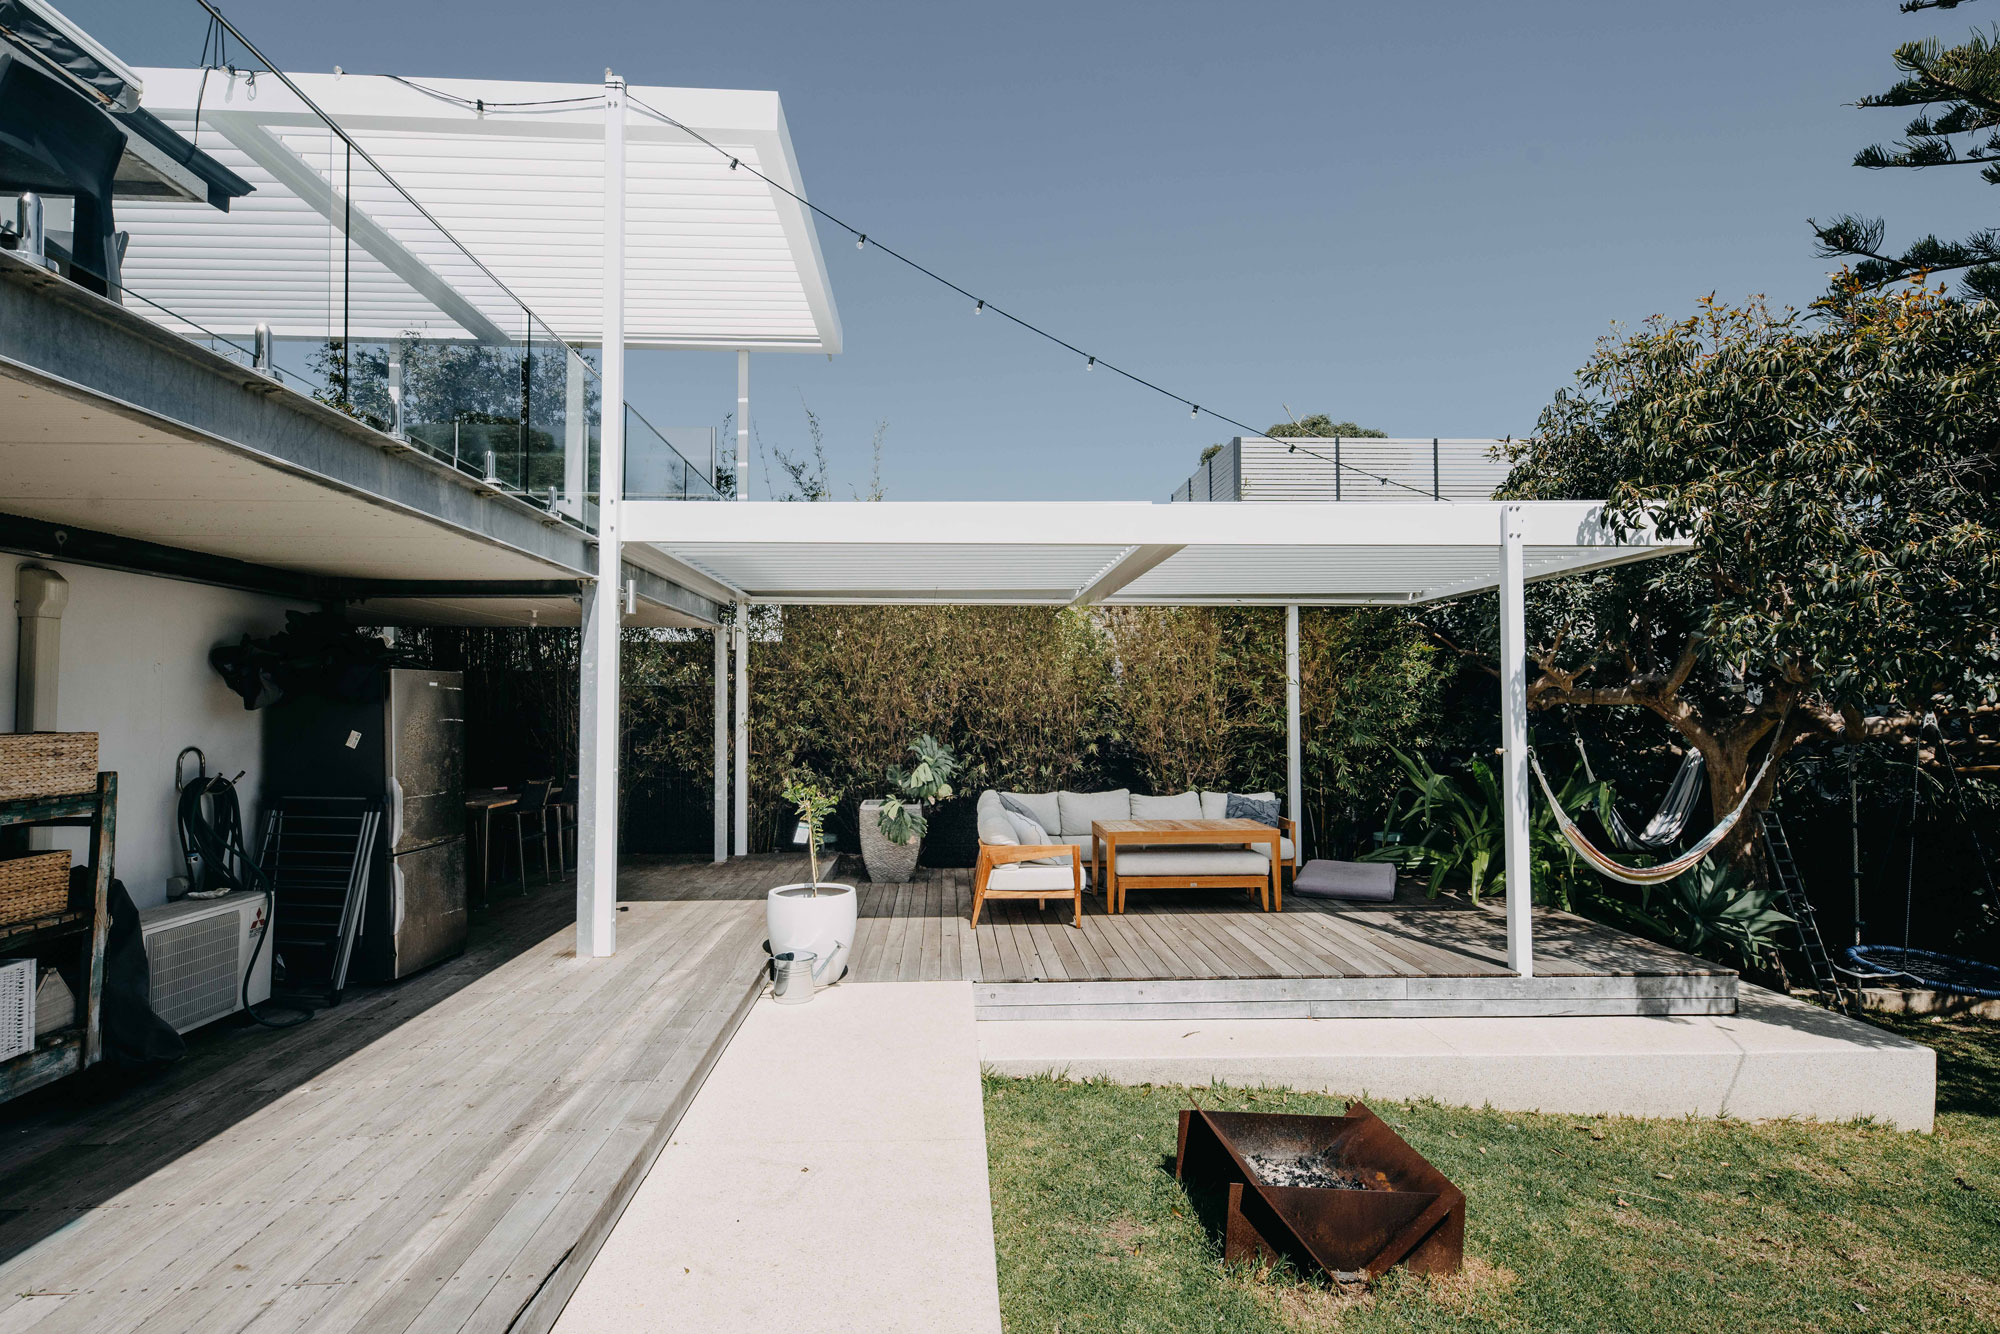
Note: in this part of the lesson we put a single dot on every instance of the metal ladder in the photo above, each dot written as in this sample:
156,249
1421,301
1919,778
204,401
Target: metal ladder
1792,893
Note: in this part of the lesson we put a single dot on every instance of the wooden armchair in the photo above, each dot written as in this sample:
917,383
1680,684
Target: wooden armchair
1016,881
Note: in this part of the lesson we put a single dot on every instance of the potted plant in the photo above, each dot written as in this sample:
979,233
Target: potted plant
812,916
893,827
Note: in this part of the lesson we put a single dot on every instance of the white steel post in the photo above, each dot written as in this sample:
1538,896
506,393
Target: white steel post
721,743
603,600
743,423
1294,766
743,729
1514,742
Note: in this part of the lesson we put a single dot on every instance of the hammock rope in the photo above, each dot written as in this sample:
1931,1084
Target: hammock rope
1676,808
1603,863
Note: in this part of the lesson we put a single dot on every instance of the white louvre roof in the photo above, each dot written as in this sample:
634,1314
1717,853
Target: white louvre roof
715,257
1113,553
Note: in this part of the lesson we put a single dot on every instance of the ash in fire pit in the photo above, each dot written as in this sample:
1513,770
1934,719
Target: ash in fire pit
1320,1170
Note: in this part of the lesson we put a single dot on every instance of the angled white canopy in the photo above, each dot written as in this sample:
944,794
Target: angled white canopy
1114,553
714,257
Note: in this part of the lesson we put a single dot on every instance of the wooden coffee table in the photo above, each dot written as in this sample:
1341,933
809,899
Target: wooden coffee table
1109,834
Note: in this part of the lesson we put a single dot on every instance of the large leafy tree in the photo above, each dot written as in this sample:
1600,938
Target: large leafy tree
1956,91
1837,477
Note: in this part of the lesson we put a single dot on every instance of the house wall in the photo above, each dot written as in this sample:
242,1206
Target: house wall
135,671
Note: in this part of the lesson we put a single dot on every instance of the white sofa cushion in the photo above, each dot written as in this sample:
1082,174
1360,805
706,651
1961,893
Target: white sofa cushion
1041,805
1180,806
1213,804
1192,862
994,826
1021,875
1081,809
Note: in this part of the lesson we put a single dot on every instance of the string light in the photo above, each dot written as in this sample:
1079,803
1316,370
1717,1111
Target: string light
1090,365
861,241
1194,411
980,308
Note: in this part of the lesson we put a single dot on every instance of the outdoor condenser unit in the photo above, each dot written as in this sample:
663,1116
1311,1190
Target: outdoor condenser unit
196,950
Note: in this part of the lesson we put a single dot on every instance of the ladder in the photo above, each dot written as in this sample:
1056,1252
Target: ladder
1792,894
317,853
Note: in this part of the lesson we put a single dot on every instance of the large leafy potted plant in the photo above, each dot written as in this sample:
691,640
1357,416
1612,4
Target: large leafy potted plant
811,916
893,827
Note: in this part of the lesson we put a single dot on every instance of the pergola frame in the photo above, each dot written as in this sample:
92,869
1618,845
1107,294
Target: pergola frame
1037,553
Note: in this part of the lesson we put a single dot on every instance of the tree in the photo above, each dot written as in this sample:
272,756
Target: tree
1320,424
1958,91
1837,477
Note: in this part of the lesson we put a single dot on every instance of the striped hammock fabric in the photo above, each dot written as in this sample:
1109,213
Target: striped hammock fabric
1644,875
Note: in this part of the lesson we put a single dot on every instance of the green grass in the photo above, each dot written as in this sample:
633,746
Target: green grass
1574,1223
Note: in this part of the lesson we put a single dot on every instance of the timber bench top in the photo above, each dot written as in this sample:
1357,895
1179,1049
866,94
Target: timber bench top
1182,831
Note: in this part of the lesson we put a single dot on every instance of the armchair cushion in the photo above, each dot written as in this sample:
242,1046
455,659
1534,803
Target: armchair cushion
1180,806
994,826
1080,809
1032,875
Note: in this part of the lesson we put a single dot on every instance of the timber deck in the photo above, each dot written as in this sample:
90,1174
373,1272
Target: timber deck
1184,954
442,1154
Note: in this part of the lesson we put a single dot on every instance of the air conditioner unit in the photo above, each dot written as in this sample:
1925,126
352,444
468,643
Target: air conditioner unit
196,950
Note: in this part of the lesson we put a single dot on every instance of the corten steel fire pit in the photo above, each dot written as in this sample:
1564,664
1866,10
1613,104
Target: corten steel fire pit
1339,1193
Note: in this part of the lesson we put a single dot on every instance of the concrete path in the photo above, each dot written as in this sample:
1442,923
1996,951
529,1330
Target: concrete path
831,1174
1775,1057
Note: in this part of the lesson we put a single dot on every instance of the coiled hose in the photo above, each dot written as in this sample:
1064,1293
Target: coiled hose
212,838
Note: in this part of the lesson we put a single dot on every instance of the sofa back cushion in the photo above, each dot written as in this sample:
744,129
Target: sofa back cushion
1180,806
1041,806
1214,804
1080,809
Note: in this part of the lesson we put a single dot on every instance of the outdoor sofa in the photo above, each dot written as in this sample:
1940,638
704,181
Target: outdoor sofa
1061,864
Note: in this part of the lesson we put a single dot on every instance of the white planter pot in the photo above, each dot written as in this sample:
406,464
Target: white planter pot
888,863
800,921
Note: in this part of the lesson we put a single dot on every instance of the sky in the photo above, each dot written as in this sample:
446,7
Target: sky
1419,217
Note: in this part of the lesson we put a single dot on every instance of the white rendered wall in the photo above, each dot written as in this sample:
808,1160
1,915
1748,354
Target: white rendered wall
135,671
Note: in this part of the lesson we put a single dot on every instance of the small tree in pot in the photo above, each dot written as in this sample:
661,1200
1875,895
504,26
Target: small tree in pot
893,828
812,917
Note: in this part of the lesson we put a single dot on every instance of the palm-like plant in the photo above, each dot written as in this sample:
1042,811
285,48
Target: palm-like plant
929,779
1712,911
1455,828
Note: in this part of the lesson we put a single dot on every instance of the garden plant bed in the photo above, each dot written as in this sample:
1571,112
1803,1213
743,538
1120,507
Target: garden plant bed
1578,1223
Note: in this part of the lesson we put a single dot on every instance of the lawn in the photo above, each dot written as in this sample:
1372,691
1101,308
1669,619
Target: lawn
1574,1223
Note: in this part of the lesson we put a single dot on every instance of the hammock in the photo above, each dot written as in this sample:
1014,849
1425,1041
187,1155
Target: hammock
1676,808
1644,875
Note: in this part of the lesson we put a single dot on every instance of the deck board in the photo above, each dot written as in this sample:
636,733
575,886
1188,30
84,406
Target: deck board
1413,956
434,1155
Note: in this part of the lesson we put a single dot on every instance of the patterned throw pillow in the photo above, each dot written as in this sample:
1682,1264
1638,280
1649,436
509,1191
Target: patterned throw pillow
1248,808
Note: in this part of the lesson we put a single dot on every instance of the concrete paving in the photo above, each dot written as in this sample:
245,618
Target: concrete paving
1776,1057
831,1174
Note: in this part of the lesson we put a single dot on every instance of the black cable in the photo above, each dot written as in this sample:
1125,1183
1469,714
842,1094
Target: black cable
482,104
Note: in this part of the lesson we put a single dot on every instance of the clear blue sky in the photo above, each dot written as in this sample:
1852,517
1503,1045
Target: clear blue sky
1415,216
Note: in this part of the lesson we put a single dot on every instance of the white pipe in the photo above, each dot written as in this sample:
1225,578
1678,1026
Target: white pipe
42,595
597,760
1514,741
743,423
743,728
721,743
1294,766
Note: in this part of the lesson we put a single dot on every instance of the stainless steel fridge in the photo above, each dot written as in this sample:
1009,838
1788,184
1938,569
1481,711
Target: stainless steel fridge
407,750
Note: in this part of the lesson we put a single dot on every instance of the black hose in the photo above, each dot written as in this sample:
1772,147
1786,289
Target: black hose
217,840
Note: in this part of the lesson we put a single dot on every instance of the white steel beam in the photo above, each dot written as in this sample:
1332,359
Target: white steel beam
1514,742
597,758
305,181
1548,523
1123,571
